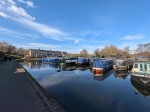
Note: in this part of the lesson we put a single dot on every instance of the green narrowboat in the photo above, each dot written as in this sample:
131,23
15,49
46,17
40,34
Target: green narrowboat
141,69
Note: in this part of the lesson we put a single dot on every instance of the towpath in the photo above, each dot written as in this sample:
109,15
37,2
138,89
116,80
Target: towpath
17,94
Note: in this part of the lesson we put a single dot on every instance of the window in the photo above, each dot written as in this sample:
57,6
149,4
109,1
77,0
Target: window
136,66
145,67
141,67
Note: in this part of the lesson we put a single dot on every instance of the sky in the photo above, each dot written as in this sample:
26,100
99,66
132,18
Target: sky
73,25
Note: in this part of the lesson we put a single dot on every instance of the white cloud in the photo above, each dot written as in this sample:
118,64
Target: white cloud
18,14
133,37
9,2
28,3
46,31
4,15
42,45
132,45
38,46
76,41
19,35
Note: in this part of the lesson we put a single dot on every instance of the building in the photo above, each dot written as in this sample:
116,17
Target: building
46,53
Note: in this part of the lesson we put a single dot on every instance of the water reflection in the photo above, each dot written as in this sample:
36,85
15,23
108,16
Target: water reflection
68,68
79,90
82,67
121,74
39,65
101,77
140,85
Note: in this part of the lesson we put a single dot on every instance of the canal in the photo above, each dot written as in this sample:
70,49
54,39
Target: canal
78,90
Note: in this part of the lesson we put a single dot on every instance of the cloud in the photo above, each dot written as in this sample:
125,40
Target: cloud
38,46
28,3
19,12
76,41
133,37
9,2
4,15
42,45
11,10
49,32
19,35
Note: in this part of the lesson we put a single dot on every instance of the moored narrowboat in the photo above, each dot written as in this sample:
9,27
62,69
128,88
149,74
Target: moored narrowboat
122,64
101,65
50,60
69,60
83,61
141,69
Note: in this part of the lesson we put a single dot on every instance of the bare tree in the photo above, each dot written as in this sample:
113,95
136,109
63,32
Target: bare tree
11,49
84,53
127,48
7,48
143,48
97,52
110,51
126,52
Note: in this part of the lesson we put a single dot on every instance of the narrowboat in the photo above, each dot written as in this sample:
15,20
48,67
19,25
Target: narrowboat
141,69
50,60
140,86
101,65
68,61
83,61
123,64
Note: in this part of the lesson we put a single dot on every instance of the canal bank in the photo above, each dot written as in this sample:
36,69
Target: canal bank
21,93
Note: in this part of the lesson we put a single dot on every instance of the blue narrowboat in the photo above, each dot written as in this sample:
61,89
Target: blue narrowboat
83,61
65,61
50,60
101,65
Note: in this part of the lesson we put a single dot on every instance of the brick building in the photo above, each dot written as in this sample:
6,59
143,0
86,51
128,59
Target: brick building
45,53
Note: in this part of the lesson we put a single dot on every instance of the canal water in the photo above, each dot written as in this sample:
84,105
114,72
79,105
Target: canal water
78,90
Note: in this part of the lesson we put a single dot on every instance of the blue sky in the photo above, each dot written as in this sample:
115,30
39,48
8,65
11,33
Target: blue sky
73,25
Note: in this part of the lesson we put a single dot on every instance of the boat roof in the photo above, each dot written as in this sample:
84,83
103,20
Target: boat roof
139,62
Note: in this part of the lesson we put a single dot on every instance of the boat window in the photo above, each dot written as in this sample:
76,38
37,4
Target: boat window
141,67
145,67
105,63
119,62
136,66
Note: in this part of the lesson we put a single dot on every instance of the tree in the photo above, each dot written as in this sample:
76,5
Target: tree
97,52
143,48
126,52
84,53
110,51
11,49
7,48
127,48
